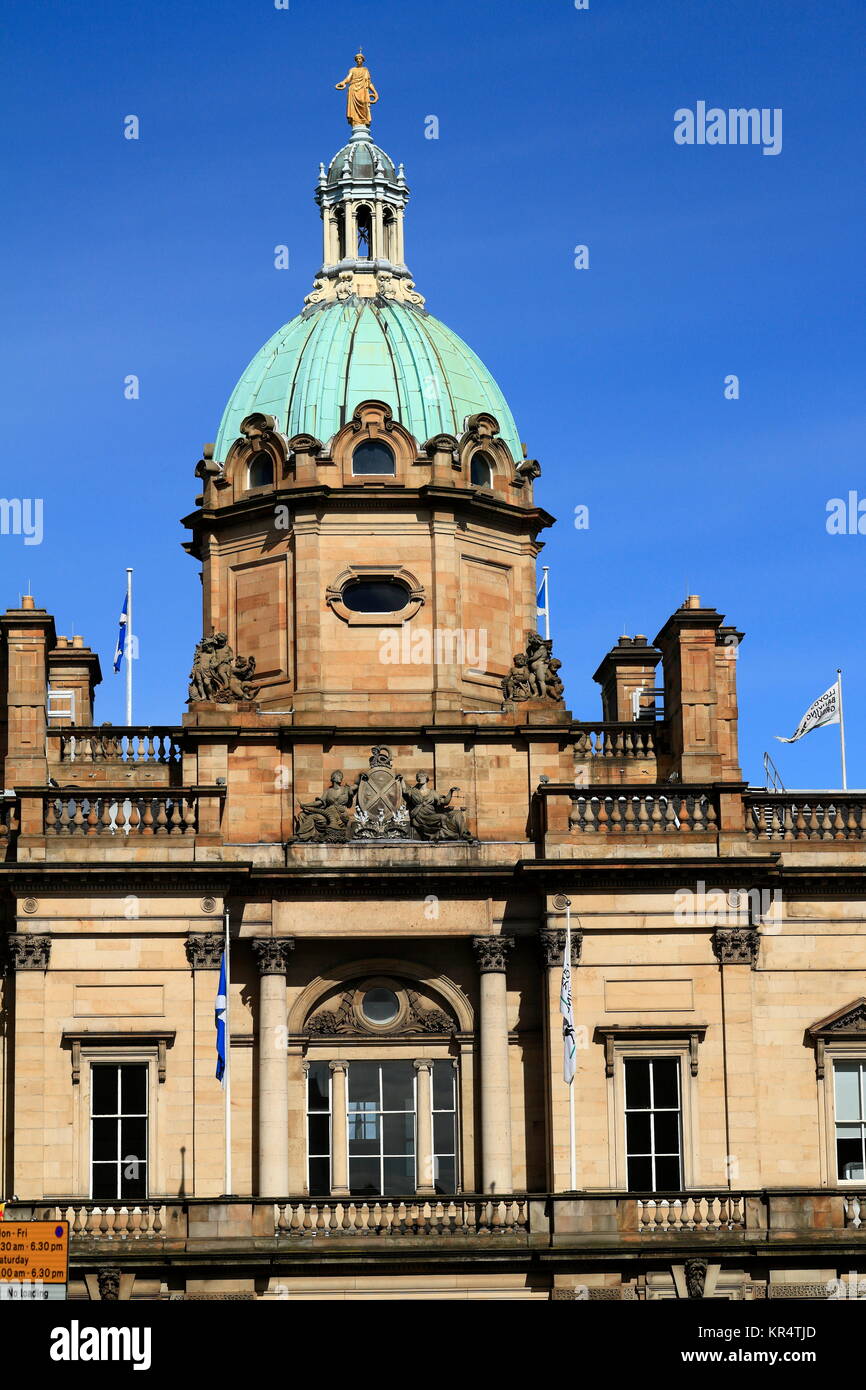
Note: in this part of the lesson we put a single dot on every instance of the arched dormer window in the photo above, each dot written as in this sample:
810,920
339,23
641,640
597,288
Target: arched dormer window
372,456
261,470
481,471
365,234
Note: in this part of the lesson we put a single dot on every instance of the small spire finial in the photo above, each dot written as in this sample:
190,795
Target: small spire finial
361,94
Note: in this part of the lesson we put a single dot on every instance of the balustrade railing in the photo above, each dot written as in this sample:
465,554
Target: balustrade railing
640,739
684,811
173,811
712,1212
854,1207
90,1221
9,821
115,743
805,816
450,1216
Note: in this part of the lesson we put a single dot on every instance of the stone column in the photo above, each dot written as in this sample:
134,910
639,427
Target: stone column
339,1129
491,952
424,1133
271,953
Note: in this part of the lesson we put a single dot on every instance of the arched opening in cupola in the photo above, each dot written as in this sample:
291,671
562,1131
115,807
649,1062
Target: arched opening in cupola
365,233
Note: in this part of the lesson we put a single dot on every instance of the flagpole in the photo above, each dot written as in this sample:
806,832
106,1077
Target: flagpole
227,1073
842,730
128,645
571,1147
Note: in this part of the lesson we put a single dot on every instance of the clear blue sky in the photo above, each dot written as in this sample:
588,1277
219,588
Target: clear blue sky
156,258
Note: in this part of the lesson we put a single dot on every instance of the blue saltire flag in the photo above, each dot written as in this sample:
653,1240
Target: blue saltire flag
220,1020
121,636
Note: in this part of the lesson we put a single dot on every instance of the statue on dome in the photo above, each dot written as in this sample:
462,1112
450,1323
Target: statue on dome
220,676
534,674
361,94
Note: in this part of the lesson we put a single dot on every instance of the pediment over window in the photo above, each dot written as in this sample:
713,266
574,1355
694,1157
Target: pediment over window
847,1022
376,1007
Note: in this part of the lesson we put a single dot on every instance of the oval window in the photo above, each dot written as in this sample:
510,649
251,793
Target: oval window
375,596
371,456
381,1005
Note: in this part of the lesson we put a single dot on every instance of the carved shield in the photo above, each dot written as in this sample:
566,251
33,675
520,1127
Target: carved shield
380,788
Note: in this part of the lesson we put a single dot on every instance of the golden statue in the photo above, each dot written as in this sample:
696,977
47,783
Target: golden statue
361,93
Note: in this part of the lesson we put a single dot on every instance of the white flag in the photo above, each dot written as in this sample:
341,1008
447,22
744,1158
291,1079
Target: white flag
825,710
566,1008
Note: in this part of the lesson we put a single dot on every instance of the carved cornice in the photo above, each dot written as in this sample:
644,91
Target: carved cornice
736,946
204,949
272,953
28,951
552,941
491,952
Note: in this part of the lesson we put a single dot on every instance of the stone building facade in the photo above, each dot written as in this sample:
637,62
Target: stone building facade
379,782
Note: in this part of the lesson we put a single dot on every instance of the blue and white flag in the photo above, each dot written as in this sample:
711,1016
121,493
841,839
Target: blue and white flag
566,1008
121,636
541,599
220,1020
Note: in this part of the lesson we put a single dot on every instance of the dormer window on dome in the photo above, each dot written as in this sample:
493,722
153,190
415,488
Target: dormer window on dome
372,456
260,472
481,470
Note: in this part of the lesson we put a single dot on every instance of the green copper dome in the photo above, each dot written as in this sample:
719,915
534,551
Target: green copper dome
314,372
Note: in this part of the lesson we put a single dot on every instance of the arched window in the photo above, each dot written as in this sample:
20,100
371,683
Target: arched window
481,471
340,220
371,456
261,470
365,234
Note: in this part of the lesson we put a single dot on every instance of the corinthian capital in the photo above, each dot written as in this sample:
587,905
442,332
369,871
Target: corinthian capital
491,952
29,952
272,953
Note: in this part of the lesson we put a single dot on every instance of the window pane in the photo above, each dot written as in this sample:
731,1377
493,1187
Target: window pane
665,1083
320,1177
443,1134
133,1140
445,1170
364,1177
317,1086
381,1005
103,1090
849,1158
104,1139
444,1076
133,1180
637,1087
638,1132
398,1086
847,1092
667,1174
318,1134
133,1090
104,1180
398,1133
667,1132
399,1176
364,1135
363,1084
640,1175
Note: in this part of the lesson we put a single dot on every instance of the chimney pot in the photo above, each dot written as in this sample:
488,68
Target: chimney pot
693,601
28,601
78,641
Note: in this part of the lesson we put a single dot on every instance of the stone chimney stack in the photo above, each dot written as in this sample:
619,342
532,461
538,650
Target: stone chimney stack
627,666
699,656
27,637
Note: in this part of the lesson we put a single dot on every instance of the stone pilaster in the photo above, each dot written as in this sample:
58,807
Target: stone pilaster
491,953
272,955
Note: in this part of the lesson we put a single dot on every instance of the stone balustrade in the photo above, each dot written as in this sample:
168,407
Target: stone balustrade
712,1212
603,1220
683,811
449,1216
132,746
805,816
123,812
639,739
9,823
